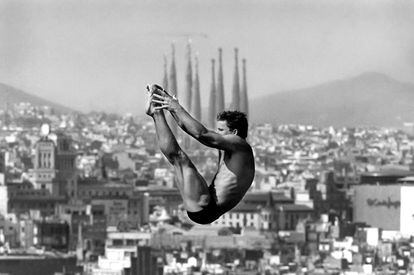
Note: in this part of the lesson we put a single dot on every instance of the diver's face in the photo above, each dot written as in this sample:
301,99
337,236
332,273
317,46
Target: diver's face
222,128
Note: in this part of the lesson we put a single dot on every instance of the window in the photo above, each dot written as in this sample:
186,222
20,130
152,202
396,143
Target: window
117,242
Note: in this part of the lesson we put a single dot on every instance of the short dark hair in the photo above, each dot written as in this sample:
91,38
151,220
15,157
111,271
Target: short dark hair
235,120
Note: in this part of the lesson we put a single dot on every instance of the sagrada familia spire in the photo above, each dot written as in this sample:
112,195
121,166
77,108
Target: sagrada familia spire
173,73
186,99
196,104
211,116
165,78
244,101
191,98
235,103
172,88
220,84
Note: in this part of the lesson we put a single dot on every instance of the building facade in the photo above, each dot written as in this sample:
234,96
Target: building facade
388,207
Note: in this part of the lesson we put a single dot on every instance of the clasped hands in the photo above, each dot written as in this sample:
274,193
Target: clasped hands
162,99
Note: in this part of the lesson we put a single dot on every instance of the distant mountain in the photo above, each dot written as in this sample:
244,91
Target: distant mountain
12,95
370,99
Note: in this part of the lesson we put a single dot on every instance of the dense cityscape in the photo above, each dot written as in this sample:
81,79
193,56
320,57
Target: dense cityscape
92,194
291,150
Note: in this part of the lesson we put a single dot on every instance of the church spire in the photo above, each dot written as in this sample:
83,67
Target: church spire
211,116
173,73
244,99
195,104
172,85
188,80
235,104
220,84
165,77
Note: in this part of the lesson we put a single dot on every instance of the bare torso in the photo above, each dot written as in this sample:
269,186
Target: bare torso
234,176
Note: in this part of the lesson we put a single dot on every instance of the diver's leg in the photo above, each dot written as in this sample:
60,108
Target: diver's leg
193,188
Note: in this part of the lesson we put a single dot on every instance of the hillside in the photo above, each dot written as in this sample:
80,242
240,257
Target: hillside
13,95
370,99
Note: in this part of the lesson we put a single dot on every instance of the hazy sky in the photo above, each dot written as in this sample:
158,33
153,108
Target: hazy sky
100,54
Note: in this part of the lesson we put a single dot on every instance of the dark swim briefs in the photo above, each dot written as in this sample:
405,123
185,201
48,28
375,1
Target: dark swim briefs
208,214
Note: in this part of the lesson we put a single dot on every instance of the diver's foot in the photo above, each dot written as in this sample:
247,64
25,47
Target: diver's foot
149,107
154,89
157,91
151,90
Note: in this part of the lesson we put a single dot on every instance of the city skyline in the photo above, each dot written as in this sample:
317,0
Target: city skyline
85,186
77,53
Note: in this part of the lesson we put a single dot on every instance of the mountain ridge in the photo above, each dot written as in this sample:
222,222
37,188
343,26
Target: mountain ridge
13,95
368,99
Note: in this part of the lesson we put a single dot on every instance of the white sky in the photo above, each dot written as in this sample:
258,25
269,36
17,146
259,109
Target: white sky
100,54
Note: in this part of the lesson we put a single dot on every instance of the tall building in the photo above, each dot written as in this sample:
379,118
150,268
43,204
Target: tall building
244,100
211,121
386,206
235,103
44,165
54,176
220,84
66,171
148,261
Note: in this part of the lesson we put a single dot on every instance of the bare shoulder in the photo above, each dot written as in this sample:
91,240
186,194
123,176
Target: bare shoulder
239,144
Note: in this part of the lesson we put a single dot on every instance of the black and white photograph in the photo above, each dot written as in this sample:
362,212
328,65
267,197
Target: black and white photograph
201,137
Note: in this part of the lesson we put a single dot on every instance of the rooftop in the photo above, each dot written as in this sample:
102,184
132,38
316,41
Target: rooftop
294,207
